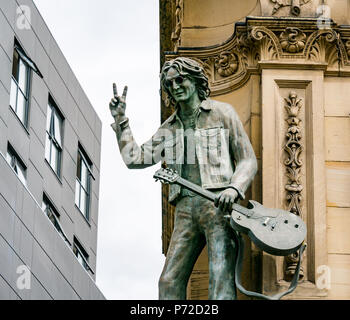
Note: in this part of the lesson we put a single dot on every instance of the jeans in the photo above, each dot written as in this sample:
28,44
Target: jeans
197,223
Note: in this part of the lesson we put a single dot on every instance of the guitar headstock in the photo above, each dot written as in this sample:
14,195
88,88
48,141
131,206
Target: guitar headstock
166,176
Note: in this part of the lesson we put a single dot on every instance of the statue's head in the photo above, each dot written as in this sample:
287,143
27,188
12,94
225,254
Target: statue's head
182,76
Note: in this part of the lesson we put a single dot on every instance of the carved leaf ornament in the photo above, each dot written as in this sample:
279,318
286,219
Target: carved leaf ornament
293,149
293,163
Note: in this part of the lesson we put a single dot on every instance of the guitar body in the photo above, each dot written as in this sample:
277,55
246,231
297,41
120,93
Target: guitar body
275,231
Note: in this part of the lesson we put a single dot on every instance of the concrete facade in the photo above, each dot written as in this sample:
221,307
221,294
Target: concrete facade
27,236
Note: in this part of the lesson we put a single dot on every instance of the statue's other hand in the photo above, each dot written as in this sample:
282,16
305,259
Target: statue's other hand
117,105
226,199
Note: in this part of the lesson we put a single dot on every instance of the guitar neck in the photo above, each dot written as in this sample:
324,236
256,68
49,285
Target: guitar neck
209,195
196,189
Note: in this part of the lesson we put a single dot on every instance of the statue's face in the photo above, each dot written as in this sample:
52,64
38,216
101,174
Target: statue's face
180,87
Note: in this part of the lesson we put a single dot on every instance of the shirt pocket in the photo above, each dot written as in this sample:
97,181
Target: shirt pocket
210,138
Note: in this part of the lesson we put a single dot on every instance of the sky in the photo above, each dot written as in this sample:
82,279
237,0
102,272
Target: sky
117,41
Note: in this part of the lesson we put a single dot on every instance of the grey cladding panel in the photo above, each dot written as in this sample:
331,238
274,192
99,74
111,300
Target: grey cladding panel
6,70
6,35
8,183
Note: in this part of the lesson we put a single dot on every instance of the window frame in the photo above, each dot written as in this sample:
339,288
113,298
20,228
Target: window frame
88,164
30,66
56,216
16,161
78,250
17,87
50,137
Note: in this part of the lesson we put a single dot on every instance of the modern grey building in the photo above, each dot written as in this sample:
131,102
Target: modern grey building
50,142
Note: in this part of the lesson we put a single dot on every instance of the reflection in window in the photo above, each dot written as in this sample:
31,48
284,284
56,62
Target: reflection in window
53,216
20,85
83,182
16,164
81,254
53,147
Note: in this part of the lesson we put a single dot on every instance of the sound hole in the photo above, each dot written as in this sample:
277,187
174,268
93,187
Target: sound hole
296,226
285,221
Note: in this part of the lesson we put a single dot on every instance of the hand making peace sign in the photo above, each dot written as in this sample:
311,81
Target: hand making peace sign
118,104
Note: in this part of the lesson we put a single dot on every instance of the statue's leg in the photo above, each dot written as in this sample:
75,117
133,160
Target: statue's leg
221,254
185,246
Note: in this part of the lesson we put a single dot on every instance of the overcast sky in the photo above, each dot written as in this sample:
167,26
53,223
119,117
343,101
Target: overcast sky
108,41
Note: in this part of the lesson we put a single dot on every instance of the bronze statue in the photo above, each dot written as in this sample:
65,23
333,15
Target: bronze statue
205,142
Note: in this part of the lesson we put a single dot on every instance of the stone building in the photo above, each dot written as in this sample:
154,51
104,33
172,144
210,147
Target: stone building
50,141
285,66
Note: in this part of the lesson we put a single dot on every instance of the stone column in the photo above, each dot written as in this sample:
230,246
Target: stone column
292,119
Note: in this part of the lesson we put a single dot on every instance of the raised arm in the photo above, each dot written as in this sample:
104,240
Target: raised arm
134,156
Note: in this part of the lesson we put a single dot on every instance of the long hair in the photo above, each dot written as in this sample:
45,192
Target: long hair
190,68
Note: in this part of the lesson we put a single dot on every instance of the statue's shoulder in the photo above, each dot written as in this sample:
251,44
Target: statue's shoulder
215,104
169,121
222,108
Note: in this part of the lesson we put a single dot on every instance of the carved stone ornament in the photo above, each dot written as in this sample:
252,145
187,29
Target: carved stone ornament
293,4
270,48
260,40
293,149
292,40
226,64
347,48
328,47
176,35
293,163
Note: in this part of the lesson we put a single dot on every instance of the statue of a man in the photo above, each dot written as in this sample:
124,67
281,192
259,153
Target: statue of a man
205,142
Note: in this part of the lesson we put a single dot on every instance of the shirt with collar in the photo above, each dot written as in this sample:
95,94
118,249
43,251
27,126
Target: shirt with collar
225,155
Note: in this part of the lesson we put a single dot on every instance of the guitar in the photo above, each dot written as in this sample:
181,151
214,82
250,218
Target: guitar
278,232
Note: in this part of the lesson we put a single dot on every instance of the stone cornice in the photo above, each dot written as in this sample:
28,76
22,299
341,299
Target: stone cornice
292,65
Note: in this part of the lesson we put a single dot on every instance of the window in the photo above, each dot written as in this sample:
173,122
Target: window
81,254
20,82
83,181
16,163
53,147
20,86
53,216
